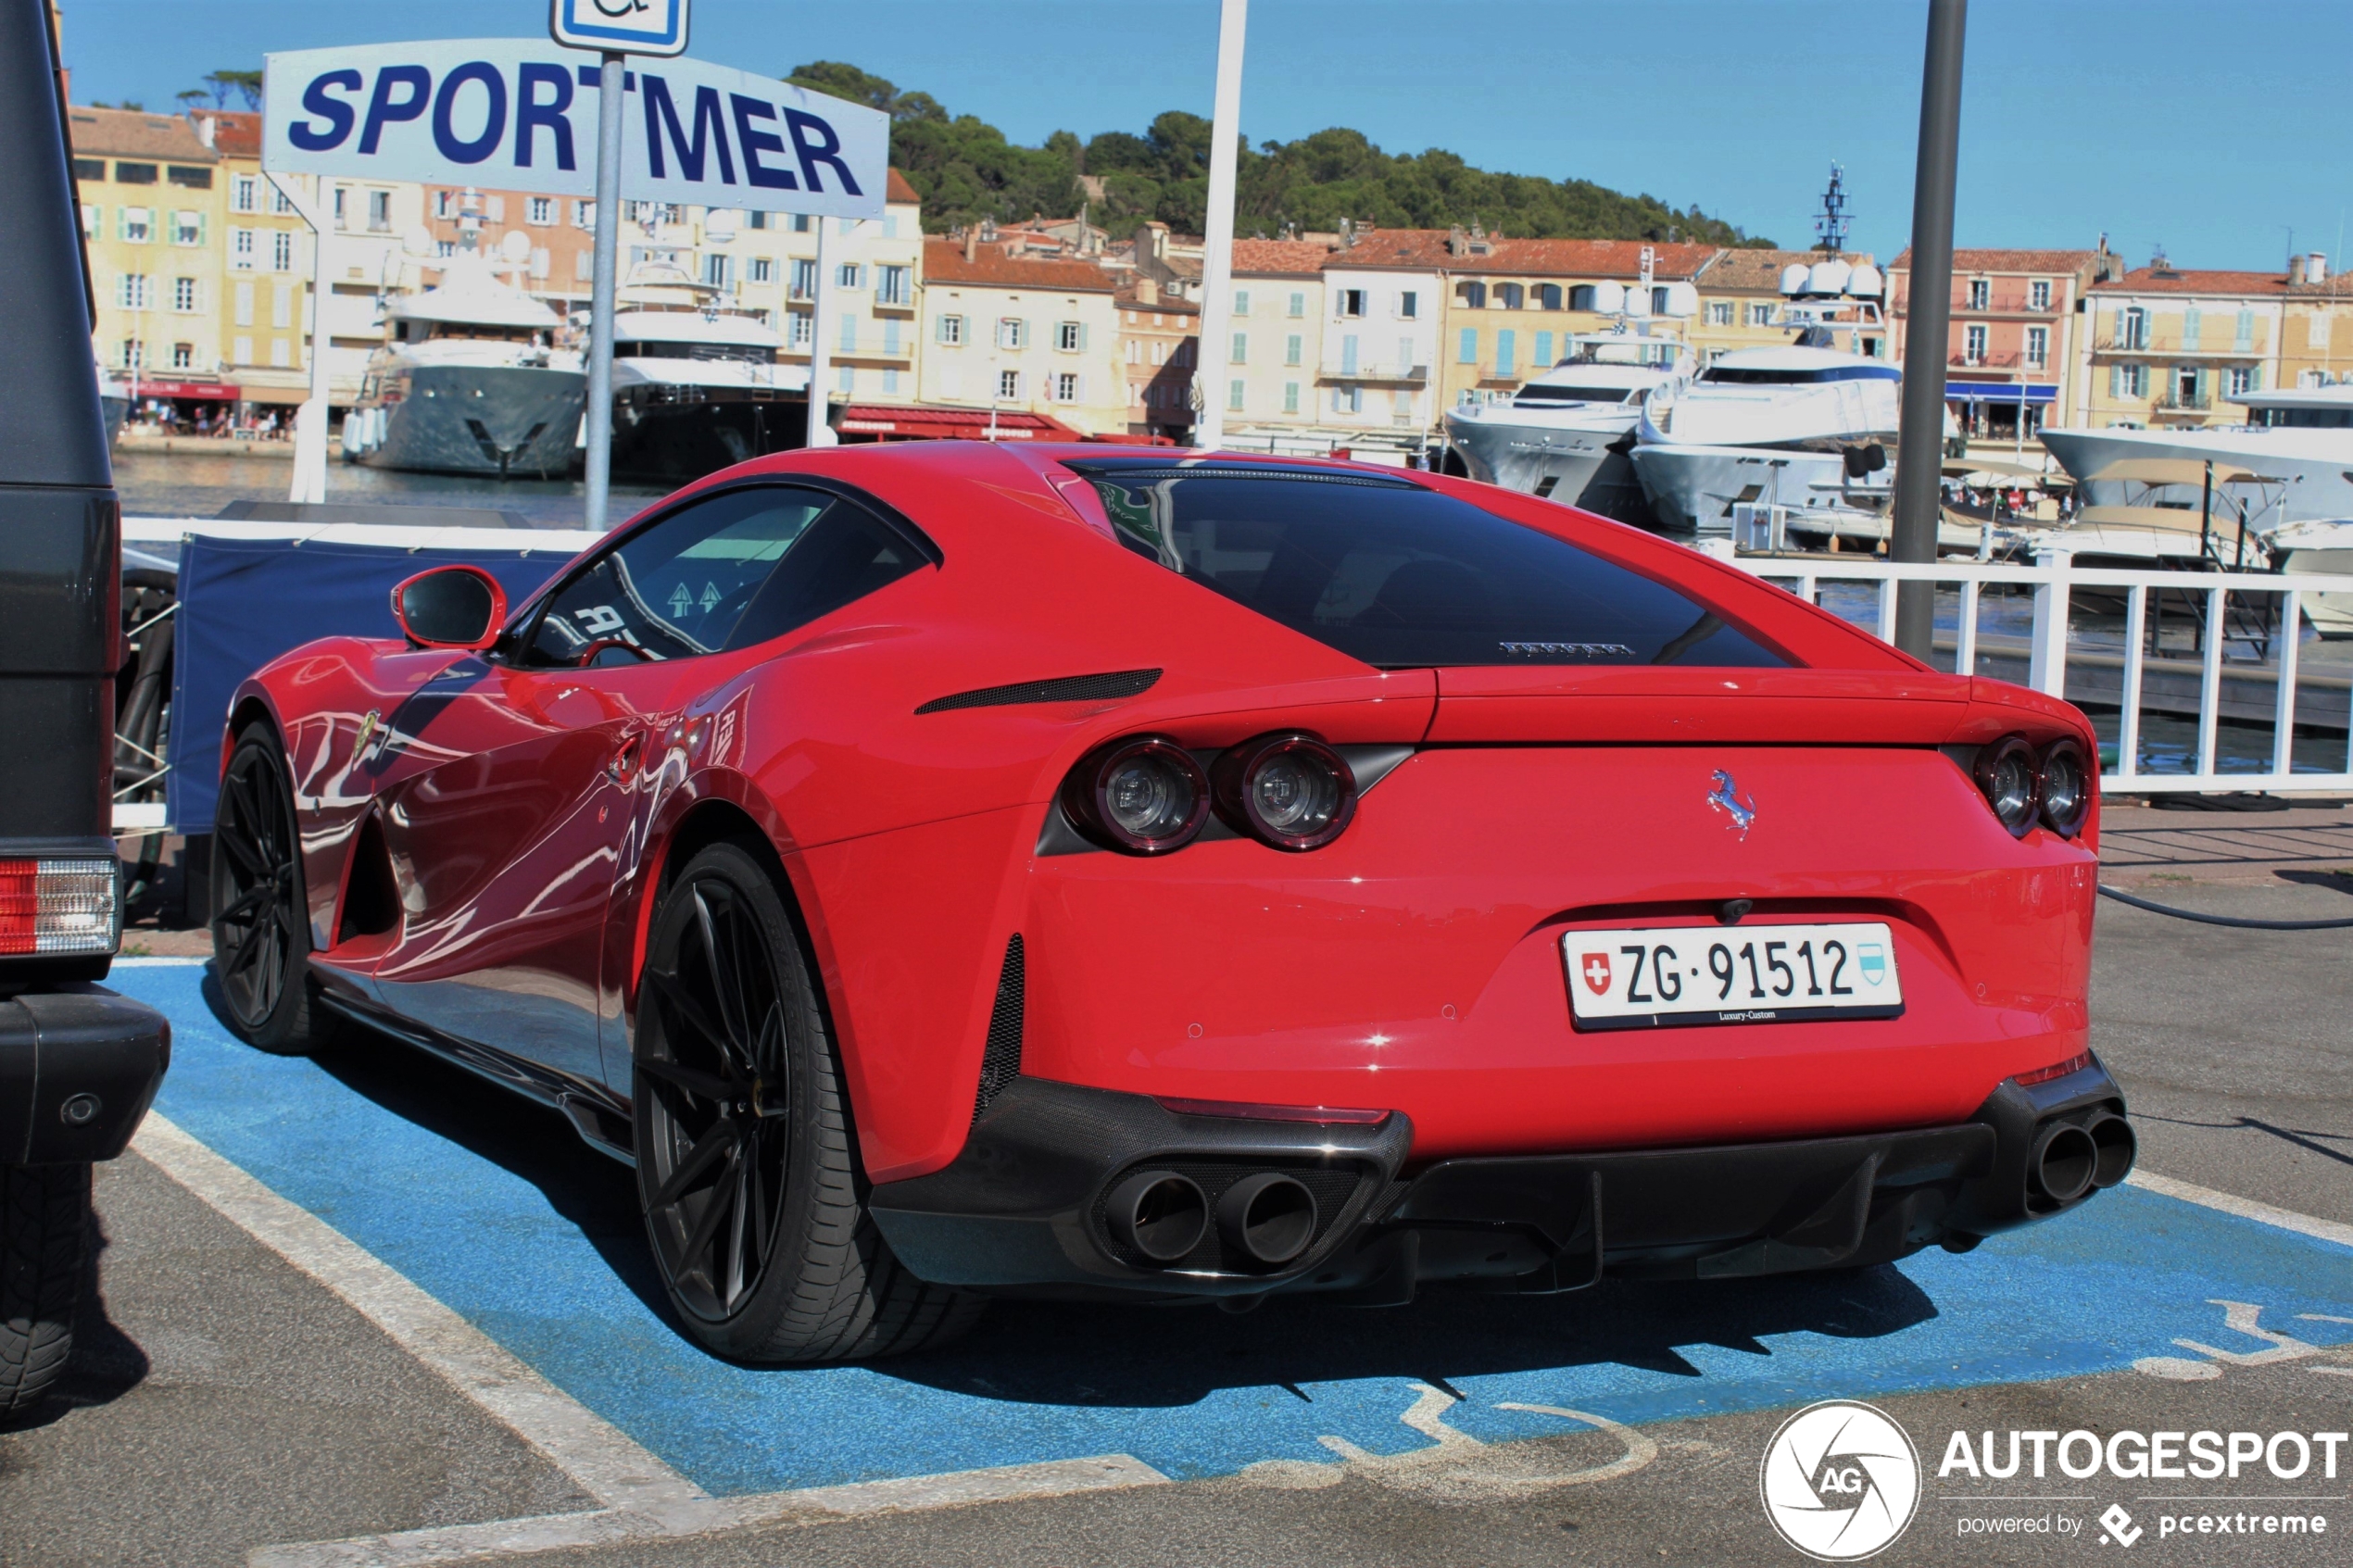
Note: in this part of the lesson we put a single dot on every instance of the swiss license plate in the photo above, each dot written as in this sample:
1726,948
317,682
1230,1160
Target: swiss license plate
1665,976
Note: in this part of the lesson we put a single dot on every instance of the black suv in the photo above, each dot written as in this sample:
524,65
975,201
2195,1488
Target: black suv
78,1063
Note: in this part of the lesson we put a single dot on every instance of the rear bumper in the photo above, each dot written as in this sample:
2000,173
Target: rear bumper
1024,1209
79,1067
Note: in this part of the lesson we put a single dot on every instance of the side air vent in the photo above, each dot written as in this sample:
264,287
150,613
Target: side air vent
371,901
1000,1059
1066,688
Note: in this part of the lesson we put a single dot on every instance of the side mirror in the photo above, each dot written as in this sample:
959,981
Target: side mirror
450,607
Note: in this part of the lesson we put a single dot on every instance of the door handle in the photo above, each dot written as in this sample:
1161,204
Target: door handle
624,760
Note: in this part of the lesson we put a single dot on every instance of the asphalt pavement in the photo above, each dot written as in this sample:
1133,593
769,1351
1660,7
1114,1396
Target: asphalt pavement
225,1401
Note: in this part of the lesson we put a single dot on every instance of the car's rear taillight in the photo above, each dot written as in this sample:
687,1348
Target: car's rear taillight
2064,787
1142,796
61,907
1290,791
2075,1063
2009,774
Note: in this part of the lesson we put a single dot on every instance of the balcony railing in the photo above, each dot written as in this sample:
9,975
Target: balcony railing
1377,370
2170,344
2193,402
1981,361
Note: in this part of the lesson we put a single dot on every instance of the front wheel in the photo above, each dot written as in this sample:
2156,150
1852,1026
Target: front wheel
260,924
746,1165
44,1228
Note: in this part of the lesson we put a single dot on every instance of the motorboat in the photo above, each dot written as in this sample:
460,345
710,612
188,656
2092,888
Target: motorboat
2318,545
469,379
695,386
1566,433
1809,425
2298,440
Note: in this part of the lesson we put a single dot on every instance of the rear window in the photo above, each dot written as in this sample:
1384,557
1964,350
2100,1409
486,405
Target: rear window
1401,577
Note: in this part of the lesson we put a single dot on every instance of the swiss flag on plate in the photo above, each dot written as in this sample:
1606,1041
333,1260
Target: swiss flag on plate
1594,966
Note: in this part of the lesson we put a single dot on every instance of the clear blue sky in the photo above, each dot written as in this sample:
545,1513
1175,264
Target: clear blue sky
2209,128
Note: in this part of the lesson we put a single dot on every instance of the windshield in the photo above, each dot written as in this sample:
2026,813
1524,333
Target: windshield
1748,375
1399,576
1556,394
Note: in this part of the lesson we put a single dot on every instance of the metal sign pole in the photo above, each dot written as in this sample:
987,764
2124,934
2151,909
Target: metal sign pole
821,300
600,300
315,208
1920,445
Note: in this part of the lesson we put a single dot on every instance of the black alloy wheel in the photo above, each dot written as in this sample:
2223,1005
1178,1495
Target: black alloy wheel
714,1091
746,1159
260,928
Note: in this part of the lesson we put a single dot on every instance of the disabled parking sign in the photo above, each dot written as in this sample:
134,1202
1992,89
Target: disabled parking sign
619,27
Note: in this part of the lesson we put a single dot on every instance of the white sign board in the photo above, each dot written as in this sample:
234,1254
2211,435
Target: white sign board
520,114
628,27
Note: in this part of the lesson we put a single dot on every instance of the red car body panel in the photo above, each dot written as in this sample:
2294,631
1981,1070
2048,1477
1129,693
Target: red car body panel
1413,964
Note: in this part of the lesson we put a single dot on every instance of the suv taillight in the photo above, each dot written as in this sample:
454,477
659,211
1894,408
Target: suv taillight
59,906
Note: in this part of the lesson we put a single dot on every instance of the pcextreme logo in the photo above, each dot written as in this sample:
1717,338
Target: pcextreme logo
1840,1481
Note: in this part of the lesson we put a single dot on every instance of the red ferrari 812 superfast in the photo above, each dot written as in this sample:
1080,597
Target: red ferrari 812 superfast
951,870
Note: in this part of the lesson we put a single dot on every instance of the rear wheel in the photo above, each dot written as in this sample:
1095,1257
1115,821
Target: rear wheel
745,1165
261,925
45,1225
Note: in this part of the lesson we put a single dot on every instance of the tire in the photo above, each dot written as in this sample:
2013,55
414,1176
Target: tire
746,1159
44,1229
260,923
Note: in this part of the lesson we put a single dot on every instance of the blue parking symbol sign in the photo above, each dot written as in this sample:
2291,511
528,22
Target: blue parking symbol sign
1873,959
626,27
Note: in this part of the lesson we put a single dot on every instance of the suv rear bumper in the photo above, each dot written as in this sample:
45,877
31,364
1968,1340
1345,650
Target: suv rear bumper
1023,1210
79,1066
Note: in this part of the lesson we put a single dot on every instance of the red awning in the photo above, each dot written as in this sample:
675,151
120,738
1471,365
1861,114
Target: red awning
949,425
146,388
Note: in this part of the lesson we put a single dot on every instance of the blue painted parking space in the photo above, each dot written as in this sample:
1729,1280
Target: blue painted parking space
492,1206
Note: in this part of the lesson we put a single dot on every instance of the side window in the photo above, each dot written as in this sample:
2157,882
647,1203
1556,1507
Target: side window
729,572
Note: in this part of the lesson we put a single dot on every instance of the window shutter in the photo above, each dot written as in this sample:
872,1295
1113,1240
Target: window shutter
1467,351
1082,337
2116,381
244,313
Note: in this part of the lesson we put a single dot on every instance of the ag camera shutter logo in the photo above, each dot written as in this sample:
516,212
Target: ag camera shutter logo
1840,1481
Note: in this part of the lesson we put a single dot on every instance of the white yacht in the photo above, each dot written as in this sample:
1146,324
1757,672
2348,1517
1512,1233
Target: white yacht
2299,437
2315,545
1566,433
469,379
695,387
1809,425
114,400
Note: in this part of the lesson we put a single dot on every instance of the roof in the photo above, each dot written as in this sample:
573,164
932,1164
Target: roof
944,263
236,132
1297,257
1425,250
2008,260
1762,269
131,133
949,424
1172,304
897,190
2182,279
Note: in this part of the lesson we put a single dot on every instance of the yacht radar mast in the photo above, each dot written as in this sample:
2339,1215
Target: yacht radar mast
1830,226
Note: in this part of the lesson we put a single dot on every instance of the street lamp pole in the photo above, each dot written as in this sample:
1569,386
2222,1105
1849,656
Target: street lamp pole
1920,437
1218,245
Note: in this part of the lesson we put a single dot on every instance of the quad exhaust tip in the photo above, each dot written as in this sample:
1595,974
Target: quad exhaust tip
2113,1137
2064,1160
1159,1214
1267,1218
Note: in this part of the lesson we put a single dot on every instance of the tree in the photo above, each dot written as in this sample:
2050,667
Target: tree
245,84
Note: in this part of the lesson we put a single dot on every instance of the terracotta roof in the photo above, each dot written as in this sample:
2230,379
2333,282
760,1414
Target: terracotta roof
1167,304
236,132
2143,280
1425,250
133,134
897,190
1762,269
936,423
2008,260
1259,257
944,263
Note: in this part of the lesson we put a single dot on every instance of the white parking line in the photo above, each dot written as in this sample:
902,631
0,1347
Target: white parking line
640,1497
2245,1208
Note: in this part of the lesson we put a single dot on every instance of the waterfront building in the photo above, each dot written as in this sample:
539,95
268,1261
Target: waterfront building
1382,303
1740,301
151,196
1158,344
765,264
1276,350
1027,336
266,261
2316,339
2169,346
2018,340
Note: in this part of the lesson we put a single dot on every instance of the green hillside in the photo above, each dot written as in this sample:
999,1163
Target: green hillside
966,169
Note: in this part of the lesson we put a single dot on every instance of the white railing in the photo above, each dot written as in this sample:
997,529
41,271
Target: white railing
2053,579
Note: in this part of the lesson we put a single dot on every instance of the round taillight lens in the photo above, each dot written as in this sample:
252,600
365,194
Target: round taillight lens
1144,796
2009,773
1291,791
2064,788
